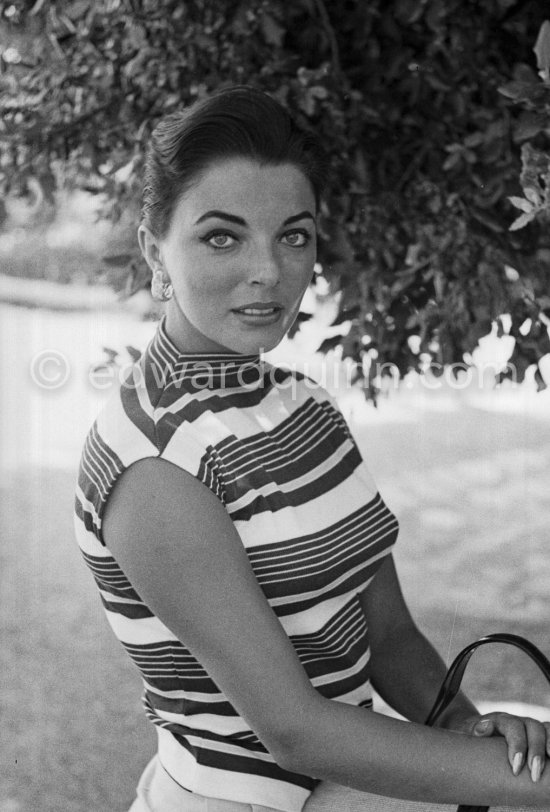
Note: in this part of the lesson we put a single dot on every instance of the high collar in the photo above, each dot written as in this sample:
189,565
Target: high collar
210,370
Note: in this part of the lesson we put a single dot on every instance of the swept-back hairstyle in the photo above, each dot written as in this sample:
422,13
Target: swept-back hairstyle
239,122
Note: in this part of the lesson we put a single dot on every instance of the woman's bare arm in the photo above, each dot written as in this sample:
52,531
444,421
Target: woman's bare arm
177,545
407,672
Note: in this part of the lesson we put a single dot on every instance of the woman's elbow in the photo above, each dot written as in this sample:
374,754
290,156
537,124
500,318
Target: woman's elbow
292,743
292,754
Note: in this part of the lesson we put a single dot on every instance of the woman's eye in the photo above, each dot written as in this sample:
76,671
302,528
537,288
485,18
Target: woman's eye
297,239
220,239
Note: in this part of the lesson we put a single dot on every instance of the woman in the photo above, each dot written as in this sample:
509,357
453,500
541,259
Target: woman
241,550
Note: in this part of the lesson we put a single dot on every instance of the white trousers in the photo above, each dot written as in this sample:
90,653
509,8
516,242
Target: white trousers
157,792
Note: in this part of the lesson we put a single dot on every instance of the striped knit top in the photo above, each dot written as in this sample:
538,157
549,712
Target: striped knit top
270,444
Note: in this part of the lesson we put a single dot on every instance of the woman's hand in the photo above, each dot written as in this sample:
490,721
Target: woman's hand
528,740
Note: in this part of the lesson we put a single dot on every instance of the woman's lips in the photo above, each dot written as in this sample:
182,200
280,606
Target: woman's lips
257,314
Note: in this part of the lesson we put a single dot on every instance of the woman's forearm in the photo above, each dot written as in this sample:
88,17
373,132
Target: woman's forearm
407,672
405,668
373,753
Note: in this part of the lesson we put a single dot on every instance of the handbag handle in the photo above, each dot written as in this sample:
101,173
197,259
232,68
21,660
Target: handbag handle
451,684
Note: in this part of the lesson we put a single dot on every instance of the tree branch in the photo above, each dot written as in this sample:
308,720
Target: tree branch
327,25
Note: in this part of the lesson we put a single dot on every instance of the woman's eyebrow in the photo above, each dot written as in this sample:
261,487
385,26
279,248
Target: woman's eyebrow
240,221
300,216
221,215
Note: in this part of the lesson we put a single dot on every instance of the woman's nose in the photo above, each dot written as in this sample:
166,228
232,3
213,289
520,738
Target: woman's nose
265,267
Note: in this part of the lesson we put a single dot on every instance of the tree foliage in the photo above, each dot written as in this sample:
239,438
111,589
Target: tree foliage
435,114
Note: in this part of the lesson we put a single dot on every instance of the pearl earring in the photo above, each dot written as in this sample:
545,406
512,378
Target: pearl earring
161,289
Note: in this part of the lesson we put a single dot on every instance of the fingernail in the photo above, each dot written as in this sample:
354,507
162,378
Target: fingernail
517,762
536,769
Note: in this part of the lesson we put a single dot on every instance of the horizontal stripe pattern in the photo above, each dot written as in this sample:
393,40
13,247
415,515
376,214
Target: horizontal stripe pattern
281,459
319,566
229,780
100,467
109,577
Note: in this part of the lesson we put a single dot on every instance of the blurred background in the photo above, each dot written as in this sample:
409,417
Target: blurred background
423,146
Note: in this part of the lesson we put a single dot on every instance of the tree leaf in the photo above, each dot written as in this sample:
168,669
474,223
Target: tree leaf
529,125
539,380
273,32
347,314
521,203
523,91
533,196
111,354
329,344
77,9
522,221
542,47
134,354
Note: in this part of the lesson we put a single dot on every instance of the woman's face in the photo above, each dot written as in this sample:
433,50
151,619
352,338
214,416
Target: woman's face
239,253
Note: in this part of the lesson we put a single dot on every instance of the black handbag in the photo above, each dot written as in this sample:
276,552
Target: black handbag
453,678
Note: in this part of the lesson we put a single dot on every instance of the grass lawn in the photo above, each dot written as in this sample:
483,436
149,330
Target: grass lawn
74,738
475,523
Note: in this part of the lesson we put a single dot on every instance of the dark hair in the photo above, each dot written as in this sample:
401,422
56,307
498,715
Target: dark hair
237,122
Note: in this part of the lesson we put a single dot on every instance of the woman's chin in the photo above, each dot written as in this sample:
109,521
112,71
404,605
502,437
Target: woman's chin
254,342
254,347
